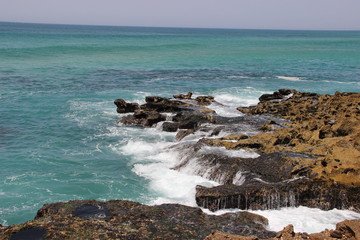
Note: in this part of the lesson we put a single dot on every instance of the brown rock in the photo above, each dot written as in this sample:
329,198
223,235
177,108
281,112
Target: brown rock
130,220
183,96
217,235
204,100
124,107
261,195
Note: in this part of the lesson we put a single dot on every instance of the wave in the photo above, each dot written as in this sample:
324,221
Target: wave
295,79
304,219
173,170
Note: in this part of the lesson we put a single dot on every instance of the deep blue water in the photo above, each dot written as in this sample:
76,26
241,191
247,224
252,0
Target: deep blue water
59,137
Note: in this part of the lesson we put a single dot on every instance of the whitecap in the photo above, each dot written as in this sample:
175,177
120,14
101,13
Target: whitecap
304,219
295,79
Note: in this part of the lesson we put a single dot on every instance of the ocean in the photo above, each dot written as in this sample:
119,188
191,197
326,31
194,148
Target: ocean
60,138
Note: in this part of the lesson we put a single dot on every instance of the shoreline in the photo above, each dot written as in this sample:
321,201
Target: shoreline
315,124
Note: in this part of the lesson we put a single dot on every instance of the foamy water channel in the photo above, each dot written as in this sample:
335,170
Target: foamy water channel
155,160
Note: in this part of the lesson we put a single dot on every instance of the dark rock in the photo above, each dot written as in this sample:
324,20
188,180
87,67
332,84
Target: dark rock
164,106
29,234
124,107
170,126
261,195
143,118
191,120
269,97
204,100
183,133
183,96
154,117
286,91
90,211
130,220
155,99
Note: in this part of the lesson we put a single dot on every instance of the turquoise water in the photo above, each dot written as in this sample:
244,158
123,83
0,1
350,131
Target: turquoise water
59,137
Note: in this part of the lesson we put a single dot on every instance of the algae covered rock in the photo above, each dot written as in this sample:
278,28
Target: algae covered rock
116,219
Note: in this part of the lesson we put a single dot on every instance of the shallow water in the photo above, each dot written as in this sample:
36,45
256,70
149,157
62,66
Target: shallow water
59,136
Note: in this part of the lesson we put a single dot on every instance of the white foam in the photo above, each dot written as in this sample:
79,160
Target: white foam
225,111
171,186
238,96
296,79
239,178
241,153
304,219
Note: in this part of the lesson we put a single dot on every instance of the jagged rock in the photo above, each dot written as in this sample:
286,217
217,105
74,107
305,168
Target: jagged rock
170,126
156,99
183,133
131,220
262,195
204,100
143,118
324,126
183,96
124,107
192,120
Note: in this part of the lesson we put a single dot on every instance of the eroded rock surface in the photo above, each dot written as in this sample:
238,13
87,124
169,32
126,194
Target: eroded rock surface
90,219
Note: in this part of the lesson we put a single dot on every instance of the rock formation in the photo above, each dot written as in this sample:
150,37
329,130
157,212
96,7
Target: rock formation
116,219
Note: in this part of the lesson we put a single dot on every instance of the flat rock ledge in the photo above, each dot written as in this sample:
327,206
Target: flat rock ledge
120,219
117,219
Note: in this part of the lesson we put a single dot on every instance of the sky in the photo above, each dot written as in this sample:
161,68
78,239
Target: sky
243,14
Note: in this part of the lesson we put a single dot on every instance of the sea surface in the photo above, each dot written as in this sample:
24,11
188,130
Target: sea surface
59,133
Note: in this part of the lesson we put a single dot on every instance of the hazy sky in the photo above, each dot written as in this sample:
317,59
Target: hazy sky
253,14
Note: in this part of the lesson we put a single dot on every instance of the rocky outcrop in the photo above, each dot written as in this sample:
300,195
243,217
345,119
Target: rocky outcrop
124,107
346,230
187,115
301,135
262,195
90,219
324,126
183,96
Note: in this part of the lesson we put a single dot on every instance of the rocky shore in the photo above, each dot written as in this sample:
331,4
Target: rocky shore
303,149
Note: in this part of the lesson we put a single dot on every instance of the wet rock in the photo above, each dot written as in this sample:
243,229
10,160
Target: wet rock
156,99
262,195
183,133
130,220
90,211
204,100
217,235
192,120
143,118
348,229
170,126
34,233
183,96
160,104
124,107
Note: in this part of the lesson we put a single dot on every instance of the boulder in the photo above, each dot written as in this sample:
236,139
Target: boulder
183,133
204,100
170,126
124,107
143,118
183,96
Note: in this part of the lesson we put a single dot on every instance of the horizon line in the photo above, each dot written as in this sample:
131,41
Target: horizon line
184,27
